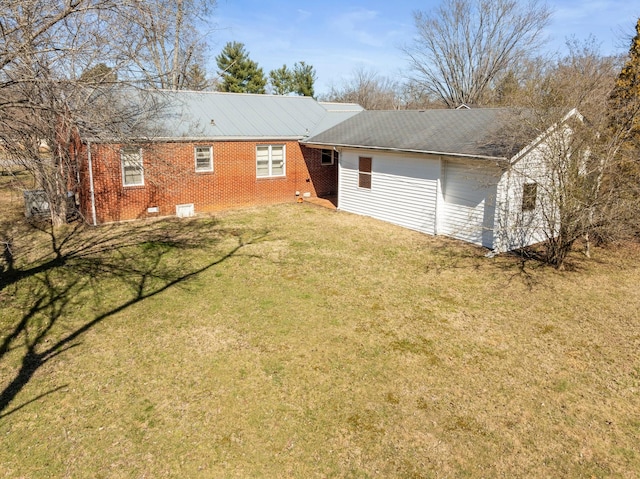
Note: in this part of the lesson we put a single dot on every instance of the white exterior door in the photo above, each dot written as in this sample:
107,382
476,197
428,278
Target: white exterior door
469,193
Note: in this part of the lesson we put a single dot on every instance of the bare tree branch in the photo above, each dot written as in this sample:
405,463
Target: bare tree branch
464,46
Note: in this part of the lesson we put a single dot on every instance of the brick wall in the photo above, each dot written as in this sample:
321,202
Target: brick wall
170,179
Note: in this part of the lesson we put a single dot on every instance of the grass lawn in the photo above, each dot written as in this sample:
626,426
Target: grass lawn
295,341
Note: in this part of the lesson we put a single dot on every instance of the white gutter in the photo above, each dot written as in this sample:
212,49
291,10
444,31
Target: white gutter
196,139
403,150
91,190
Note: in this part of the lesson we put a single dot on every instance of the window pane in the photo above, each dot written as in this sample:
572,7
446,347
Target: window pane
327,157
132,175
203,158
364,165
262,168
364,180
277,152
132,171
131,159
262,161
277,160
529,193
277,168
203,164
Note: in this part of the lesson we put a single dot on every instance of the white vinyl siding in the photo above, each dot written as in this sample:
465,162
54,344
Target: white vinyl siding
204,158
270,161
520,227
132,170
529,195
364,172
468,210
403,189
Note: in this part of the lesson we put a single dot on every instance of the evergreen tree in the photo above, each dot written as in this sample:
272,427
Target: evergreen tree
281,80
196,78
100,73
239,73
506,89
625,97
300,80
624,123
304,76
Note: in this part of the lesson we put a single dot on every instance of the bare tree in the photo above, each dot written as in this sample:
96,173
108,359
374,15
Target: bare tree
46,96
579,187
40,44
464,46
368,89
162,39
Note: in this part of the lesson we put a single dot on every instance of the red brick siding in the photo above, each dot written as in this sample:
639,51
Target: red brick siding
170,179
323,177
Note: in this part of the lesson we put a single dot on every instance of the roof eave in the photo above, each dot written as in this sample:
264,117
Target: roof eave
541,137
184,139
405,150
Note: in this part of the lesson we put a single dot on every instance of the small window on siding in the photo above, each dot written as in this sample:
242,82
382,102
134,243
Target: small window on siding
204,158
270,160
132,171
364,172
529,194
329,157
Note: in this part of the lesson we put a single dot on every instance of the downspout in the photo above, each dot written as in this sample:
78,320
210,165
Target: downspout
440,185
91,189
339,166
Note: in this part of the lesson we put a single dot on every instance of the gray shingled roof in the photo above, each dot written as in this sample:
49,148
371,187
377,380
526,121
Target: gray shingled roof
216,115
336,113
473,132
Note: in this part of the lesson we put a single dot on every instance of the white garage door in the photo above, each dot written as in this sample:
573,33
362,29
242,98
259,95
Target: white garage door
469,202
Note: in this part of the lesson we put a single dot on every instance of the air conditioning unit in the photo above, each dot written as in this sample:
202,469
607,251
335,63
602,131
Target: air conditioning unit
36,203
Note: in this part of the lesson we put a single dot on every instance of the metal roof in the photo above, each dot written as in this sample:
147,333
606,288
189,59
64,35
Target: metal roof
216,115
465,132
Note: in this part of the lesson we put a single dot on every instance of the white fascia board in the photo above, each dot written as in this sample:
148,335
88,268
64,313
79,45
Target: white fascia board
192,139
540,138
405,150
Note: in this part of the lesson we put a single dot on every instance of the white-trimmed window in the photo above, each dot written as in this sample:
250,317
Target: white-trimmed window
132,170
204,158
329,157
529,196
270,161
364,172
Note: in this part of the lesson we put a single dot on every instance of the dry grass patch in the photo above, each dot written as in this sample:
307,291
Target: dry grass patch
294,341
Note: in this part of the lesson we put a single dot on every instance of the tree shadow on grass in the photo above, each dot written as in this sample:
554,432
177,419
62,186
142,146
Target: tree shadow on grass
82,265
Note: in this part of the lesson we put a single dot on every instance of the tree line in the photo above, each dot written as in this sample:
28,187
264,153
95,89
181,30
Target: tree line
238,73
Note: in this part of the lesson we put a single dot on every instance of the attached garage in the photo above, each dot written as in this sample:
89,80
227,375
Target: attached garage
469,206
421,192
402,189
441,172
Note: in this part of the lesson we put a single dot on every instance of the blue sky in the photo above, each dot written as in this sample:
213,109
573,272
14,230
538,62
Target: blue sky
337,36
